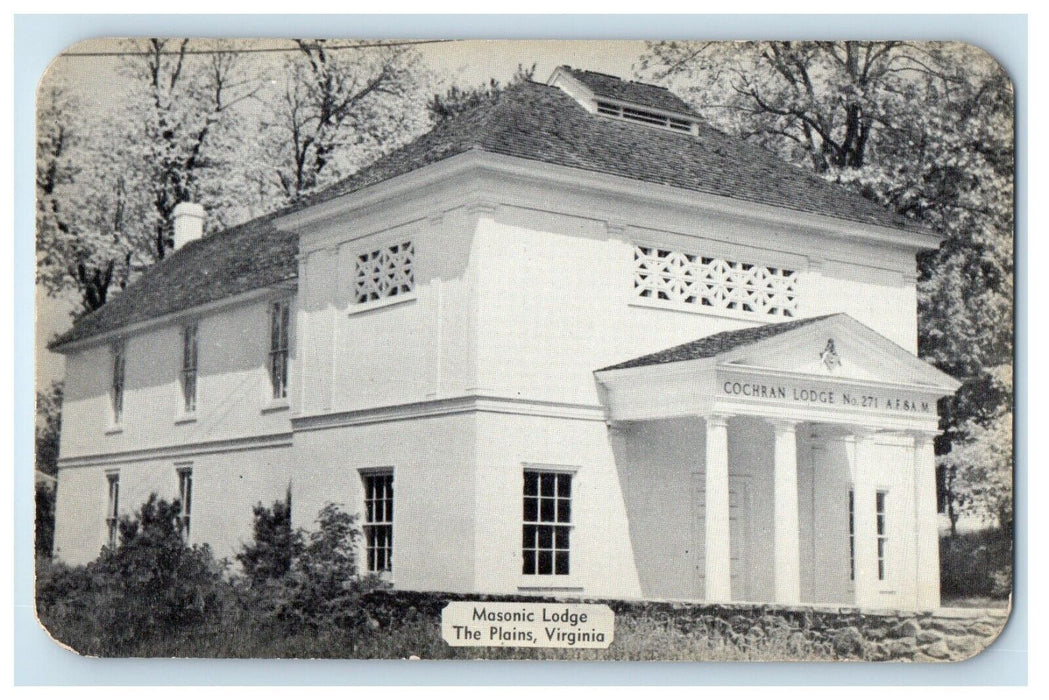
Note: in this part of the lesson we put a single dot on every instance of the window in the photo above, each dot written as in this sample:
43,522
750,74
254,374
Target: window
185,497
882,539
378,520
686,279
117,389
384,273
852,536
880,528
189,368
279,349
112,508
547,522
644,116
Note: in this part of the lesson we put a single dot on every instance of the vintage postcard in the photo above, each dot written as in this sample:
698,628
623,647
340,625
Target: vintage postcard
436,349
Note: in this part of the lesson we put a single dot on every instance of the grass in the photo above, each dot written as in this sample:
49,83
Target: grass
638,638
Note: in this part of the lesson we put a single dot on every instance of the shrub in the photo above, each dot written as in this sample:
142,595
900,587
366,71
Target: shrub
322,586
276,544
152,584
976,564
45,520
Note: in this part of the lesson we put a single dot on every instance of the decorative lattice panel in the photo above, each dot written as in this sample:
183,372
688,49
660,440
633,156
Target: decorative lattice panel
682,278
387,272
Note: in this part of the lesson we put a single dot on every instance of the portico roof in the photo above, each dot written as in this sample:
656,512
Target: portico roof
823,369
713,345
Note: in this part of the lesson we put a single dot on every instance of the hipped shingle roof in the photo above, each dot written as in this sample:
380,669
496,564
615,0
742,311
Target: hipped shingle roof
531,121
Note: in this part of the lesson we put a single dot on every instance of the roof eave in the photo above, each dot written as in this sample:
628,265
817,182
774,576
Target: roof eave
282,287
622,188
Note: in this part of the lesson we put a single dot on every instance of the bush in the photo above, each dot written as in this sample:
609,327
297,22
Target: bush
322,586
276,545
45,520
152,584
976,564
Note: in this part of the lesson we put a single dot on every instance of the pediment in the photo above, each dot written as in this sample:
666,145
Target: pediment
837,348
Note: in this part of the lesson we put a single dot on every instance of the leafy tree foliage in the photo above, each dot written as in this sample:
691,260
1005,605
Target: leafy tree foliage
337,110
84,237
925,129
107,183
44,532
186,130
456,100
48,428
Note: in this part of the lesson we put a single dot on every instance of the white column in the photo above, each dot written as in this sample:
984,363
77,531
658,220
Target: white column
926,523
865,524
717,548
786,554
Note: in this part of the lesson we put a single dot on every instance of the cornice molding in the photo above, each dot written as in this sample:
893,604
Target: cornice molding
449,406
434,176
254,442
274,291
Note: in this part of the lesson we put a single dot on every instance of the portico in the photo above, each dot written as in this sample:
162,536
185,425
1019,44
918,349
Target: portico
816,478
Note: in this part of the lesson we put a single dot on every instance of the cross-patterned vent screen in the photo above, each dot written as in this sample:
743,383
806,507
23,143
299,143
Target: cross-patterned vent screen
387,272
683,278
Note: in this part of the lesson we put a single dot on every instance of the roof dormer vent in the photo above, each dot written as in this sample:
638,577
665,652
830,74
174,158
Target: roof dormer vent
644,116
631,101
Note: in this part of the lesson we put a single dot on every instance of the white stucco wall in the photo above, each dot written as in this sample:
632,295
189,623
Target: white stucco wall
226,486
235,409
434,522
601,560
234,395
556,300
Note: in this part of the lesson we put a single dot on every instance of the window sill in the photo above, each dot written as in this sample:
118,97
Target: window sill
548,587
381,303
275,406
186,418
711,311
114,430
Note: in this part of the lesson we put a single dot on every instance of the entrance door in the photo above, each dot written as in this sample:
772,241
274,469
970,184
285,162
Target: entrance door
739,500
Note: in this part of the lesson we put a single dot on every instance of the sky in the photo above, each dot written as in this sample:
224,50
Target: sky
465,63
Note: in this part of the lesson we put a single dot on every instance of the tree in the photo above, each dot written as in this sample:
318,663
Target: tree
48,428
84,205
44,531
183,121
925,129
156,579
338,110
456,100
980,467
107,184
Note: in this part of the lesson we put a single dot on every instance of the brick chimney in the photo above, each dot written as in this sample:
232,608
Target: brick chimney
189,223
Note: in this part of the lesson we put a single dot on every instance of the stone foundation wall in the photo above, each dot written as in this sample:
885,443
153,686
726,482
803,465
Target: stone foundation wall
762,632
948,634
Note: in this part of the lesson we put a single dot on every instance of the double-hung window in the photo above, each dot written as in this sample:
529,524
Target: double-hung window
185,498
189,368
883,540
547,522
116,392
112,508
881,533
852,535
378,520
279,316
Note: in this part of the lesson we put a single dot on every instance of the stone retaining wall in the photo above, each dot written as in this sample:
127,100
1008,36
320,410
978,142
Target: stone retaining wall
789,633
